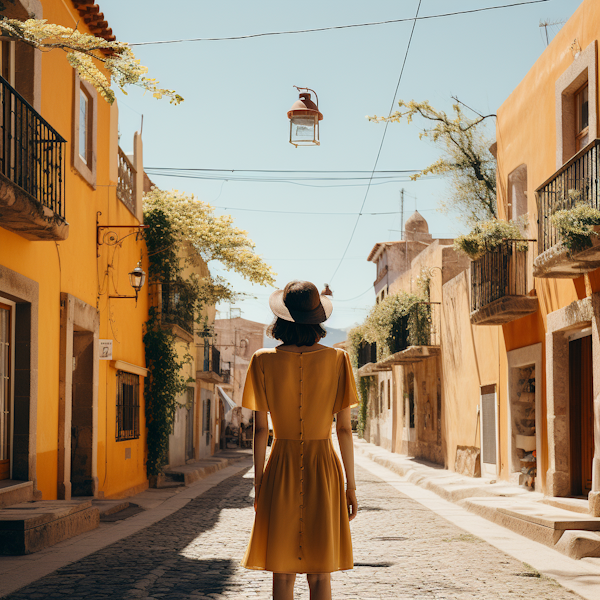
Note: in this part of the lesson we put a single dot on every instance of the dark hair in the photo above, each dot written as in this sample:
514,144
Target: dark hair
298,334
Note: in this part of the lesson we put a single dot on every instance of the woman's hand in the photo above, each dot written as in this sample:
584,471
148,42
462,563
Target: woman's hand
352,503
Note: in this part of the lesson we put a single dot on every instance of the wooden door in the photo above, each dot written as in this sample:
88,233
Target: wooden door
5,389
581,415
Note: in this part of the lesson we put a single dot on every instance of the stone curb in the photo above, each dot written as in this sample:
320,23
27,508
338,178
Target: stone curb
455,488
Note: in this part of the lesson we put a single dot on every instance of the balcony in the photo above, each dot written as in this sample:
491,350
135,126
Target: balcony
415,338
32,181
126,182
177,309
499,285
581,175
211,365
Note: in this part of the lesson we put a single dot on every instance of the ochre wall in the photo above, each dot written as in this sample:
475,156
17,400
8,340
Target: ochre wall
72,266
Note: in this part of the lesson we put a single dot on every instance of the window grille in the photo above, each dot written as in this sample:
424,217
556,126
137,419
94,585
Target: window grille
128,406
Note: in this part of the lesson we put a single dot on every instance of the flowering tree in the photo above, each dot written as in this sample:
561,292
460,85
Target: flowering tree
213,237
183,230
84,52
466,158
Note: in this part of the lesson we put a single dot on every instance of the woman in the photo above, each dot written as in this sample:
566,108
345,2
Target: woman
302,510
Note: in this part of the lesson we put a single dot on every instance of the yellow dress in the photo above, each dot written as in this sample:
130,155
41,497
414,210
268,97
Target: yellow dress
301,523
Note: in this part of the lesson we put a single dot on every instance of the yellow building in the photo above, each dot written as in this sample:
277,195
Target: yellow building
519,328
72,407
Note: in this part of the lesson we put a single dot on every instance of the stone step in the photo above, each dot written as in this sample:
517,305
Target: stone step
31,526
571,533
109,507
578,505
194,471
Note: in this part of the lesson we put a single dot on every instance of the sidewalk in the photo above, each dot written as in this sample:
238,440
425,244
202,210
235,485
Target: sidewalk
560,523
150,507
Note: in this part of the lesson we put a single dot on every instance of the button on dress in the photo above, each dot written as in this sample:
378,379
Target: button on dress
301,523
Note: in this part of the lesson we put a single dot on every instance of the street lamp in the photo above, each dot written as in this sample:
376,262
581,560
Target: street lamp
304,119
137,278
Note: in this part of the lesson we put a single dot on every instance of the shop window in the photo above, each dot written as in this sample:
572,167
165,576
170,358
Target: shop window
84,130
128,406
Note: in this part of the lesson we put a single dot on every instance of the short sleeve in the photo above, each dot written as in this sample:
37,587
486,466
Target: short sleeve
346,392
254,396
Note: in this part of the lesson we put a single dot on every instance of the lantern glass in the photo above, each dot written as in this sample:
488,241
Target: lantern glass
137,278
304,130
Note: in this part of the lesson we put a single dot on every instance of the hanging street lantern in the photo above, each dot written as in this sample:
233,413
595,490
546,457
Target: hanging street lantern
137,278
304,119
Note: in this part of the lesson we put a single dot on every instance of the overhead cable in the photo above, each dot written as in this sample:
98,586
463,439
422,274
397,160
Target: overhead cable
335,27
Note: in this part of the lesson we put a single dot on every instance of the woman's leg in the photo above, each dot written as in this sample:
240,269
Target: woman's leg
320,586
283,586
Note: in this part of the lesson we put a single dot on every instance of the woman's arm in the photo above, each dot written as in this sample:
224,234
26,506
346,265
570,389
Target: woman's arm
261,437
344,432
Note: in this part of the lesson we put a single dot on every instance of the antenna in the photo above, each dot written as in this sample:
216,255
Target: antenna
547,23
402,214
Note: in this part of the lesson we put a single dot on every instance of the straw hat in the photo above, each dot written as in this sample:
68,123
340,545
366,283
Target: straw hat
300,302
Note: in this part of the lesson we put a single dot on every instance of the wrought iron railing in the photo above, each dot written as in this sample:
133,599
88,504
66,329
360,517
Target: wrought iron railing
178,305
576,181
367,353
424,324
500,272
212,359
126,181
420,326
31,150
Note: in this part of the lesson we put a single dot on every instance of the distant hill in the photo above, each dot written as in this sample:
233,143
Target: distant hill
333,337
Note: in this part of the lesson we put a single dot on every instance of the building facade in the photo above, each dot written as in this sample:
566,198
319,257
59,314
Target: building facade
517,379
70,202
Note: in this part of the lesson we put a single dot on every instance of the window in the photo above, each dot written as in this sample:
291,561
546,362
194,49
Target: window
84,130
582,120
206,419
7,60
128,406
389,395
84,127
381,397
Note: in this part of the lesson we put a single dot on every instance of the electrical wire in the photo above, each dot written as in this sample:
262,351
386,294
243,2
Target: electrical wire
412,31
337,27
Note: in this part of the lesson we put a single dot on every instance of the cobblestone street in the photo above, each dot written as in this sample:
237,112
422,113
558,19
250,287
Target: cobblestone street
401,550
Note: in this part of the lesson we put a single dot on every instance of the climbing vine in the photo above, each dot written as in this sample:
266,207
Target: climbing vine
364,385
183,231
161,389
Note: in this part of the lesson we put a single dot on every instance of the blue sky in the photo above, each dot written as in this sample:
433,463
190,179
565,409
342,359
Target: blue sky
237,94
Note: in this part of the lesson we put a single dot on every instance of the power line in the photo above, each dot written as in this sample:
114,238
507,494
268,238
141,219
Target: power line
412,31
354,171
335,27
293,212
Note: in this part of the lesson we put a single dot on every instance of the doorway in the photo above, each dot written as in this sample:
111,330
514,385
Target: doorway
82,402
581,415
6,385
489,440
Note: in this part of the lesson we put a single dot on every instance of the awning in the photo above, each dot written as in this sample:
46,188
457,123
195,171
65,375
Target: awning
228,403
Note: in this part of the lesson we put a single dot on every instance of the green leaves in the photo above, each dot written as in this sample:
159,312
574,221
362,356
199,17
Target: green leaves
487,235
576,225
